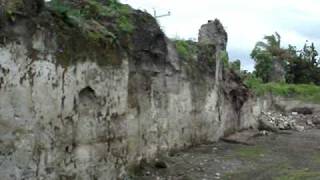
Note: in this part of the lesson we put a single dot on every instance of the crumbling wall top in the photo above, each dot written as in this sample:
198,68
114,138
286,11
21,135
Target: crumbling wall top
213,33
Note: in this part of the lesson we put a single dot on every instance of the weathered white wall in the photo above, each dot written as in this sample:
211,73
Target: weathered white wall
86,121
49,128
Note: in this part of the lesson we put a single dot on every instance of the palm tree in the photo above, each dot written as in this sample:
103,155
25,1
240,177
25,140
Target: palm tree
270,58
272,46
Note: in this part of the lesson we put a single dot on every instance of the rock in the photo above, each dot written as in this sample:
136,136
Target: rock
282,122
299,128
264,124
264,133
309,122
316,121
241,137
303,110
160,164
281,126
294,121
286,125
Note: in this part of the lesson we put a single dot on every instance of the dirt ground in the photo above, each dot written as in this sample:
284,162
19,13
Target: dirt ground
291,156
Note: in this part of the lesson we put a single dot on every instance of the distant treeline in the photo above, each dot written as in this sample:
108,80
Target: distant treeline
291,65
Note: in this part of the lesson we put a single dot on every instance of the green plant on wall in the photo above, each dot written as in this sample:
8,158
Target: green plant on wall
91,15
236,65
186,49
223,55
94,29
11,8
124,24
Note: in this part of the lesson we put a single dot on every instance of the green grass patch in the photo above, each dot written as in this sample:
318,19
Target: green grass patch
100,21
250,152
274,173
278,171
303,174
304,92
186,49
316,157
261,171
247,153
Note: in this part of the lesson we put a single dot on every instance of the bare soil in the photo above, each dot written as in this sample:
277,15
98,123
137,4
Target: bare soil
285,156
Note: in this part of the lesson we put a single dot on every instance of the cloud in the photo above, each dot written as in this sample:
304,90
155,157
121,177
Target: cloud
246,21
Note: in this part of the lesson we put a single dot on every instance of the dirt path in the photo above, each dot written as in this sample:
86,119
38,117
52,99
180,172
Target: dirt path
294,156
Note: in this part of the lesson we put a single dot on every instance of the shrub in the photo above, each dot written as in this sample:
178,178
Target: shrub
90,16
224,58
186,49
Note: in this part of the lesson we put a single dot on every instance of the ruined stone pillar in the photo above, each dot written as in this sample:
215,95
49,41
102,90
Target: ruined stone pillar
213,33
213,42
278,72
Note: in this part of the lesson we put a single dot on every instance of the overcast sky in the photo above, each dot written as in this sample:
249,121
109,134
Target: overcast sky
246,21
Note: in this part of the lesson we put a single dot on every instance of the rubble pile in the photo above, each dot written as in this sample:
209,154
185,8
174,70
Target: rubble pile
292,121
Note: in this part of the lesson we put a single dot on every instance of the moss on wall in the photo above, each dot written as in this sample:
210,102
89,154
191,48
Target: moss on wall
94,31
12,7
106,21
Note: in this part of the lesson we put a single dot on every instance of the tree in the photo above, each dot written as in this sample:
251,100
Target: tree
270,58
290,72
274,63
304,66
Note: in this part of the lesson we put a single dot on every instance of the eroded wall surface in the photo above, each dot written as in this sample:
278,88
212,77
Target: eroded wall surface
87,120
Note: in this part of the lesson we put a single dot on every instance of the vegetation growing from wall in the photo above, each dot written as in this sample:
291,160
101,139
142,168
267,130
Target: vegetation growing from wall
224,58
186,49
300,67
101,22
10,10
102,29
12,7
191,52
235,66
